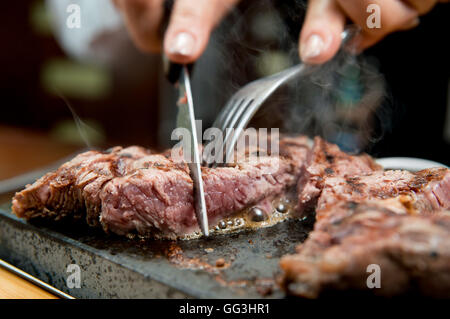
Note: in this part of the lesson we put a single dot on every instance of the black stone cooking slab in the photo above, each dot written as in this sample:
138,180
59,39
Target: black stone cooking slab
117,267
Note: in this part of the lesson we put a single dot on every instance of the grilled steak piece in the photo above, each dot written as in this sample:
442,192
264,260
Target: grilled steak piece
159,199
394,219
73,189
430,188
132,190
326,160
411,251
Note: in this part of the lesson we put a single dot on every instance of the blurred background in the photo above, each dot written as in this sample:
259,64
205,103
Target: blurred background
57,100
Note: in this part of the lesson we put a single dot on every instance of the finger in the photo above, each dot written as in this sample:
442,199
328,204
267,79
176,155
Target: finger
190,27
143,18
421,6
393,15
320,37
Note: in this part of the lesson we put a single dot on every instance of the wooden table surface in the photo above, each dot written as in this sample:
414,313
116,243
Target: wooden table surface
14,287
20,151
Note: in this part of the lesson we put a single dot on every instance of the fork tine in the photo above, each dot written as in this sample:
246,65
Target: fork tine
232,119
244,119
231,112
221,123
233,104
224,113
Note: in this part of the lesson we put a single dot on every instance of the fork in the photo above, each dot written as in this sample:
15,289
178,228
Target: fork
243,105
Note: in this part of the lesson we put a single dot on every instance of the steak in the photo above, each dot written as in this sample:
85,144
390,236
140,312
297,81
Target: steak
428,189
396,220
73,189
133,191
326,160
160,197
411,251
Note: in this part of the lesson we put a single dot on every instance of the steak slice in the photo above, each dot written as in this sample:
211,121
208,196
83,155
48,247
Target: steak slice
157,200
73,189
411,251
326,160
132,190
395,219
428,189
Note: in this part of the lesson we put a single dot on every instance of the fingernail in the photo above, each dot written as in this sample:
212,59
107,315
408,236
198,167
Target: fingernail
313,47
414,23
182,44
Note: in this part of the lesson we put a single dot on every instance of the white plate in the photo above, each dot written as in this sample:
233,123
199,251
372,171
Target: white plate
407,163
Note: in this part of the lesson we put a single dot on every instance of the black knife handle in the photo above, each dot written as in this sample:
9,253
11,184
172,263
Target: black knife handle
172,70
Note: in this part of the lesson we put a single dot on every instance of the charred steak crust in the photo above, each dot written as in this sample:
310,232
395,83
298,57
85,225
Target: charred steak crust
429,188
326,160
131,190
412,251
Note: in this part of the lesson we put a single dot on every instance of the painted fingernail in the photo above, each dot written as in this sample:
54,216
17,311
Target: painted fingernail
182,44
313,47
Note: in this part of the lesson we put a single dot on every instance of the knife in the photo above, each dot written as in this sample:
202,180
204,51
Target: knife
179,75
186,119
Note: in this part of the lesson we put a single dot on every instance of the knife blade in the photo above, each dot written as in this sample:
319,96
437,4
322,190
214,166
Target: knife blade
186,119
178,74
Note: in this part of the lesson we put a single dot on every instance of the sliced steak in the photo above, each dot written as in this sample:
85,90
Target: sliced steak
429,189
326,160
73,189
411,251
157,200
133,190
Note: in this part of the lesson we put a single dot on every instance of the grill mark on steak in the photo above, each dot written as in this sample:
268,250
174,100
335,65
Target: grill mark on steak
354,185
429,189
326,160
329,158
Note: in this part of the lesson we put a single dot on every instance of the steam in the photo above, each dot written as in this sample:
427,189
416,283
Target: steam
82,127
340,101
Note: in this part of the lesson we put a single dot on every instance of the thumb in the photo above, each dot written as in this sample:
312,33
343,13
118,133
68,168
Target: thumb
320,37
190,27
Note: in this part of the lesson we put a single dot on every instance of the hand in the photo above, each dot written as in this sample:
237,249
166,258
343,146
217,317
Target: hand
189,29
320,37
